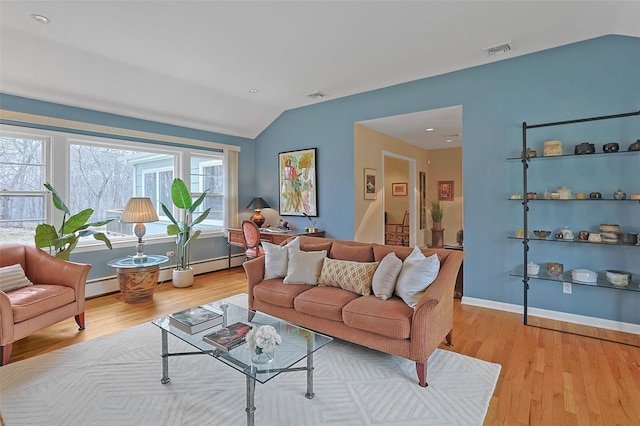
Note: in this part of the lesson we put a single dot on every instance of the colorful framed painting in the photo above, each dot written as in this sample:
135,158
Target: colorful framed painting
298,184
445,190
370,190
399,189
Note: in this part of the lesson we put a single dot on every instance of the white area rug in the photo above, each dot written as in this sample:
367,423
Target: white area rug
115,380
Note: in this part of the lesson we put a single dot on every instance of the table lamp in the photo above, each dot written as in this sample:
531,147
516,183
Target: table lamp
256,204
139,210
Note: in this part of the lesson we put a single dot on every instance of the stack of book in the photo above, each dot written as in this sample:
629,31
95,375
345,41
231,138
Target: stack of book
196,319
229,337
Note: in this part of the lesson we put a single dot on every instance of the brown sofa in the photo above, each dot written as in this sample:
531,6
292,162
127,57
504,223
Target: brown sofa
57,293
386,325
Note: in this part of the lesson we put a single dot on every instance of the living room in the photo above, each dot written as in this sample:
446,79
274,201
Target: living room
593,76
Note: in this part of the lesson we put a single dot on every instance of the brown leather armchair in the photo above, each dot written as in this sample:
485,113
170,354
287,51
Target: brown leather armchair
57,293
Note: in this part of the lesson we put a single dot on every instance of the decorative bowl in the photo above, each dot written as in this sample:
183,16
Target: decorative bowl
585,148
635,146
554,269
584,275
629,238
610,147
619,278
533,268
542,234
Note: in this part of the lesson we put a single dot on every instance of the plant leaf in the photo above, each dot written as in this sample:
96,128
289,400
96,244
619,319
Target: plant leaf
45,236
173,229
202,217
198,202
193,237
77,221
57,201
180,194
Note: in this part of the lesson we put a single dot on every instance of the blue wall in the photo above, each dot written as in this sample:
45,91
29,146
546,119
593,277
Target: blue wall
591,78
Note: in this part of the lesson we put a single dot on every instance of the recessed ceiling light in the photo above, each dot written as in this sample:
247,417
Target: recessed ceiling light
429,130
40,18
449,140
254,90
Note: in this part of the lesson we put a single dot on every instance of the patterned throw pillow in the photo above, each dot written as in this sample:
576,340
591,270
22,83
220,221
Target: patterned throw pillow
12,277
355,277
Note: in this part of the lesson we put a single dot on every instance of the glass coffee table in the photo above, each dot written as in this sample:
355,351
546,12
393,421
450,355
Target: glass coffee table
297,344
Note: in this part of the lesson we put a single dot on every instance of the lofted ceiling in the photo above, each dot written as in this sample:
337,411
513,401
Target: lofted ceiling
195,63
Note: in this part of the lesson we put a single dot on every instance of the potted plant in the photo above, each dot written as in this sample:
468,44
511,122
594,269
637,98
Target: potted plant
63,240
437,233
183,229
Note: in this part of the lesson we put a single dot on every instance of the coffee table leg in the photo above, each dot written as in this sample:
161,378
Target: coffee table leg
165,358
251,390
310,393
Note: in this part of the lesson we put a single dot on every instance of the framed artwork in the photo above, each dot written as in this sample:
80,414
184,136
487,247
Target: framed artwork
298,184
399,189
445,190
370,189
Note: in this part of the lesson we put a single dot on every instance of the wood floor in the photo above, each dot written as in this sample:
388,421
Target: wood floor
547,377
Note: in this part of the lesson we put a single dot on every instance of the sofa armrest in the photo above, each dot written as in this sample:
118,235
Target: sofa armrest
6,319
433,315
254,270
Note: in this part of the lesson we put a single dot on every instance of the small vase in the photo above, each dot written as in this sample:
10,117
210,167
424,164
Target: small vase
262,357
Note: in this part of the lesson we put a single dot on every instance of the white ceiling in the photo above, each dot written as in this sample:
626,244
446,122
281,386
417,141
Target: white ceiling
193,63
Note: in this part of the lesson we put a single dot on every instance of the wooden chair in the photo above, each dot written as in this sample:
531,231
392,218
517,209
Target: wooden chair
251,234
397,234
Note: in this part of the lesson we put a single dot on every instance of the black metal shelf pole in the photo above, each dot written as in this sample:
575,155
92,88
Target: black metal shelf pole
525,210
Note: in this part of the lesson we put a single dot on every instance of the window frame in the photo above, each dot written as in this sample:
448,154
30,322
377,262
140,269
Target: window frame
57,172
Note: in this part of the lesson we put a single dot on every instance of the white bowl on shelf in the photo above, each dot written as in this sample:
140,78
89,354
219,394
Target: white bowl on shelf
584,275
533,268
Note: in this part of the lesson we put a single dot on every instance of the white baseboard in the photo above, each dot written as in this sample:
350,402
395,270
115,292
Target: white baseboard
555,315
105,285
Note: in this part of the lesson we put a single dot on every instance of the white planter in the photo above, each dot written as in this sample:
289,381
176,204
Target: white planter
182,278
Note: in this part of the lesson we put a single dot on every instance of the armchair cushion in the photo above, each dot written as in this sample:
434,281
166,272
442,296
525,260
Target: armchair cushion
12,277
29,302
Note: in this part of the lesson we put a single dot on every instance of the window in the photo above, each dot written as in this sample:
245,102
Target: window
102,174
22,175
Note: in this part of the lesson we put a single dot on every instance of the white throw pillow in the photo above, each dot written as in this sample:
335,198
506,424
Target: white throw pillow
384,279
418,272
304,267
276,258
12,277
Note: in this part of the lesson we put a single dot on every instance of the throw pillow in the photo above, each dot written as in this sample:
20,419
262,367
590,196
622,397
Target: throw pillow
276,258
12,277
351,276
384,279
304,267
418,272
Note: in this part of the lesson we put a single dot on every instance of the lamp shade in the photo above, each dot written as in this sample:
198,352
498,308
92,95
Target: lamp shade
139,210
258,203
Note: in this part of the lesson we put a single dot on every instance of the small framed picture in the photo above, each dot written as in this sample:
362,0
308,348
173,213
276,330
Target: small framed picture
399,189
370,190
445,190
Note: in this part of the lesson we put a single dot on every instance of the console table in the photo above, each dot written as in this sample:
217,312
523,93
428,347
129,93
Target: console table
236,238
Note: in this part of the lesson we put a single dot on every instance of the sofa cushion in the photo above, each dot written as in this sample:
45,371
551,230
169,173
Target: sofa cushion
12,277
315,244
276,293
354,252
35,300
390,318
418,272
380,251
304,267
324,302
276,258
384,279
351,276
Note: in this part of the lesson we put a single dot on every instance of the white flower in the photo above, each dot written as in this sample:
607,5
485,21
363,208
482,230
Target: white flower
263,339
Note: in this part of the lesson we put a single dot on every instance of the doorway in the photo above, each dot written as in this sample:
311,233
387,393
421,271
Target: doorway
399,195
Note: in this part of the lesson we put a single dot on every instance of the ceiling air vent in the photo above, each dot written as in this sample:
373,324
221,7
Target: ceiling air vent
316,95
499,49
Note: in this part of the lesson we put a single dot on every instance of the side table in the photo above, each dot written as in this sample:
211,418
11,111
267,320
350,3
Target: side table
137,279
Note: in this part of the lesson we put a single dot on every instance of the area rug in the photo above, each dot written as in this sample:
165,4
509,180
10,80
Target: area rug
115,380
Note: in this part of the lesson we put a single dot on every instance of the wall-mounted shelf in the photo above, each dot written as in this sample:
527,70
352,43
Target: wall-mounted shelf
566,278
